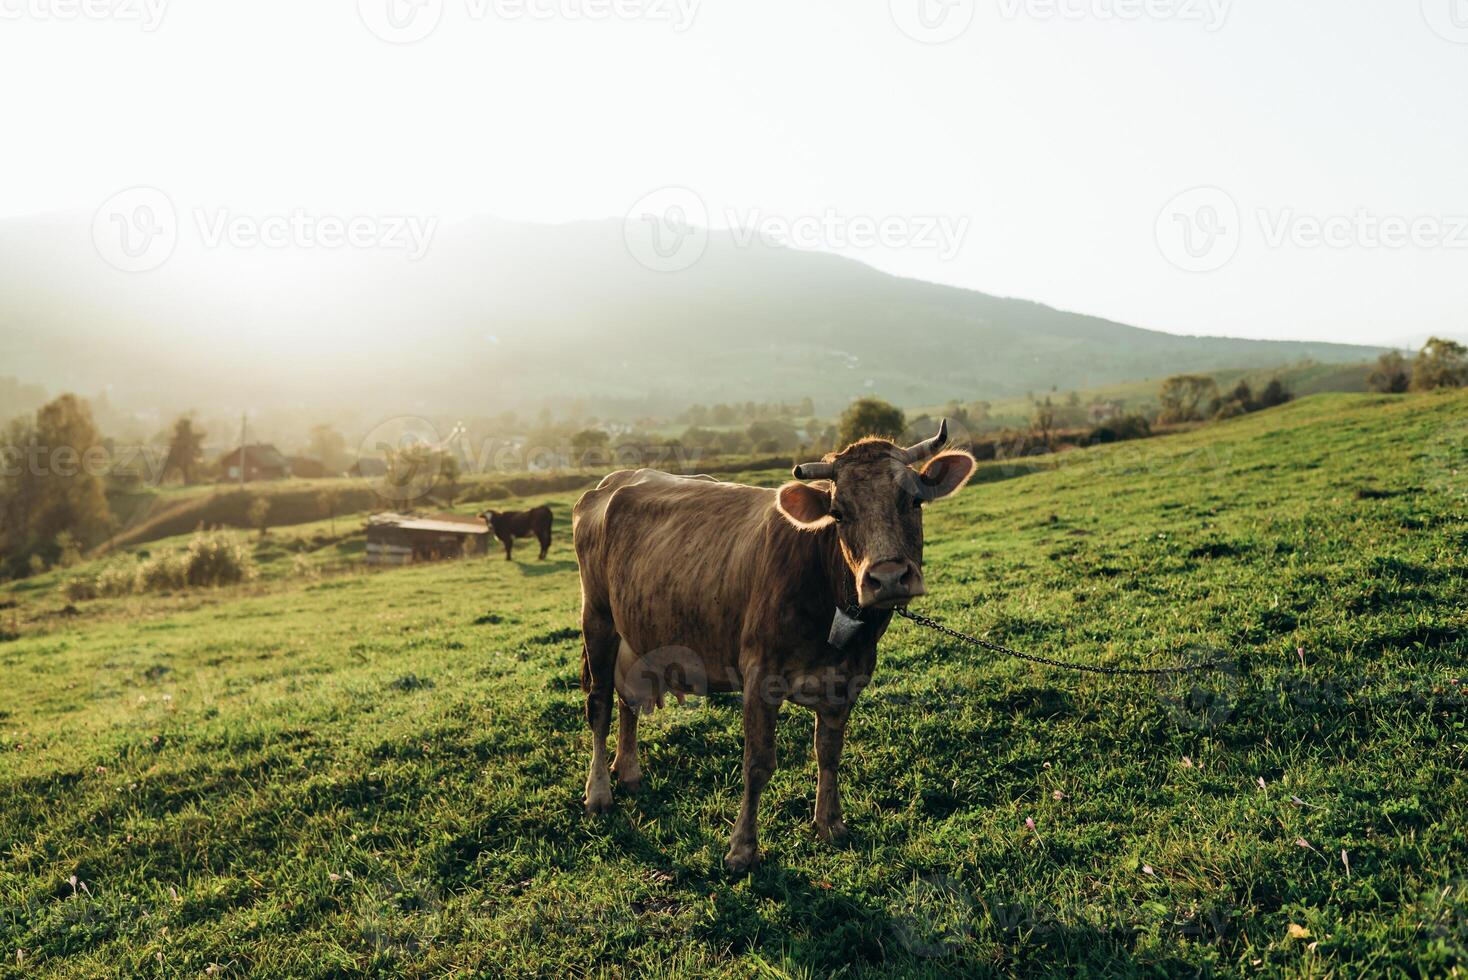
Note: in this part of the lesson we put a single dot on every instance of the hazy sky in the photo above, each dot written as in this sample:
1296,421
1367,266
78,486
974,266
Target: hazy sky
1051,137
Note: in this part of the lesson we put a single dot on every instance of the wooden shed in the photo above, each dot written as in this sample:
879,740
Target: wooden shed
400,539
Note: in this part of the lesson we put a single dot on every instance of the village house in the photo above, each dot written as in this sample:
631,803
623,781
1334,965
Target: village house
261,461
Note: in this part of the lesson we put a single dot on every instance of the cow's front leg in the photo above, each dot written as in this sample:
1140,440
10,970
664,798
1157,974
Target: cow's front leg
626,765
761,713
830,737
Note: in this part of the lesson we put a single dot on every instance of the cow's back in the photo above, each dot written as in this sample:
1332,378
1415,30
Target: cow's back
671,559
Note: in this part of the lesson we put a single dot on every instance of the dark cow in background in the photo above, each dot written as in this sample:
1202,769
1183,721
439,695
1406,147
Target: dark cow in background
689,585
509,525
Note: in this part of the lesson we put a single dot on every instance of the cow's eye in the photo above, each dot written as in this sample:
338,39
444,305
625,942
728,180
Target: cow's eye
837,516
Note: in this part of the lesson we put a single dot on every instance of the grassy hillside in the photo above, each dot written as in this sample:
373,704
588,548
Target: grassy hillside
1305,378
501,315
383,772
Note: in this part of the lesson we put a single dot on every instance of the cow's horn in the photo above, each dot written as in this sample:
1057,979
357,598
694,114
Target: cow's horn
814,471
926,448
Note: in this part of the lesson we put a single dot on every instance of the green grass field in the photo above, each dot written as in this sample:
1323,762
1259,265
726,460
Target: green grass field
381,773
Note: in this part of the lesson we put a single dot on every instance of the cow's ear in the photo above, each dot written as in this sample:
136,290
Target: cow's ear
805,506
946,474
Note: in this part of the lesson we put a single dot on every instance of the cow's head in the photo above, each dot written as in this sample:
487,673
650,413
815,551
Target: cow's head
873,492
488,516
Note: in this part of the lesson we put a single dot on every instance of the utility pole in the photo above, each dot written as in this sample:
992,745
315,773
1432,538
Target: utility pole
243,417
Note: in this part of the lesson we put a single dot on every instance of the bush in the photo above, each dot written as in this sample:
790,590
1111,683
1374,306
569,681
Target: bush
1119,429
215,559
118,578
209,560
78,589
161,574
302,568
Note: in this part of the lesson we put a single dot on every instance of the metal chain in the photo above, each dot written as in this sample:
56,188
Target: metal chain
933,624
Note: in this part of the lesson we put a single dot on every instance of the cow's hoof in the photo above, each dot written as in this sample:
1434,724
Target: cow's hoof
833,832
629,775
741,859
598,800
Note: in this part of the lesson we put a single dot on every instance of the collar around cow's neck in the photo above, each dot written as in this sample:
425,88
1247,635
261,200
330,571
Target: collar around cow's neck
849,620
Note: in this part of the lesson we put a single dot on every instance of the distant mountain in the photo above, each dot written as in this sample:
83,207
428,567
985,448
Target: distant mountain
500,315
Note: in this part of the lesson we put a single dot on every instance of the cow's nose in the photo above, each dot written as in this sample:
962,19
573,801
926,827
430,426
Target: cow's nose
889,582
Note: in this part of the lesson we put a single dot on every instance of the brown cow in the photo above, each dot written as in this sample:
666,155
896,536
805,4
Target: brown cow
689,586
507,526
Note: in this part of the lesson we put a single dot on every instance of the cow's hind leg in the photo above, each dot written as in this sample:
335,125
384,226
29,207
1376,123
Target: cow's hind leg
761,713
625,765
544,537
598,679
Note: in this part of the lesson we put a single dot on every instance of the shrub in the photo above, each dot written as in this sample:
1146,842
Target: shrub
68,550
214,560
302,568
208,561
118,578
77,589
871,417
161,574
1119,429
